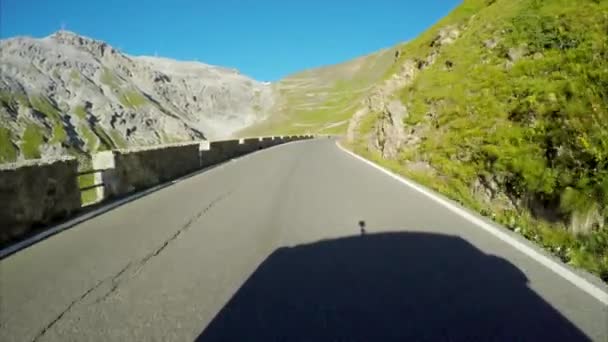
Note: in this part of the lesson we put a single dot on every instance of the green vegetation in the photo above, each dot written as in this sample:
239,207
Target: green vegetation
170,139
89,137
315,99
521,97
129,98
105,141
59,134
132,99
11,101
44,106
117,139
508,95
32,138
8,152
87,196
53,115
81,112
74,75
108,78
336,129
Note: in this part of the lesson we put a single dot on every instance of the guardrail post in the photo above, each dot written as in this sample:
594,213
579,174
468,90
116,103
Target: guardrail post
104,162
203,153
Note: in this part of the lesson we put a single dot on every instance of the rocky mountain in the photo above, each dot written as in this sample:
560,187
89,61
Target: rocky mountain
502,106
70,94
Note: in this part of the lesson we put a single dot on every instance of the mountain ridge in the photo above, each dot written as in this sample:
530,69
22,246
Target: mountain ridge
70,94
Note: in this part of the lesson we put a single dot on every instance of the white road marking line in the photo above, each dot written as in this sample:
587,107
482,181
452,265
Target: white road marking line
553,265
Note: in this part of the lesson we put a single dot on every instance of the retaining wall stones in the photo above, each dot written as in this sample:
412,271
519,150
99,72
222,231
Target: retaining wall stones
36,193
265,142
218,151
143,168
248,145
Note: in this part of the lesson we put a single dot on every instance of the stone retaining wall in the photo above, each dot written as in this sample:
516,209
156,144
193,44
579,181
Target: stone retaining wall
143,168
35,193
38,192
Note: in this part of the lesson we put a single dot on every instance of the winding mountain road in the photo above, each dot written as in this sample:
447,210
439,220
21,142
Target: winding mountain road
298,242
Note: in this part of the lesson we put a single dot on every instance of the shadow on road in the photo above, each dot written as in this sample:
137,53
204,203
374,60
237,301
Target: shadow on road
390,286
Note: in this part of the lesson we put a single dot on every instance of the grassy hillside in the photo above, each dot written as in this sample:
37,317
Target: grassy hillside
511,119
322,100
47,125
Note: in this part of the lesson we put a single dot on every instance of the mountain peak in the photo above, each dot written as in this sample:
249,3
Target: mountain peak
73,38
64,33
65,36
98,48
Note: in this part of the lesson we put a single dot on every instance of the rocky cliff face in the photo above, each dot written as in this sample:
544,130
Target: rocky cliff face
70,94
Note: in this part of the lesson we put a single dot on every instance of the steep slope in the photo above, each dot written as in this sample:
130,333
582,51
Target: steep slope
322,100
505,109
502,106
70,94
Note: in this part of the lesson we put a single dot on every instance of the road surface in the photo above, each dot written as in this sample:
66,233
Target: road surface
298,242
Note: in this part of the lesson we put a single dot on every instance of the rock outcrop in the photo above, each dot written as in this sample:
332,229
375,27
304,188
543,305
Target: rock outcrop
390,134
68,94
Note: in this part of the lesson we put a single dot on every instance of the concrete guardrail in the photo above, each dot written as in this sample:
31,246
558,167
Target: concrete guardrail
36,193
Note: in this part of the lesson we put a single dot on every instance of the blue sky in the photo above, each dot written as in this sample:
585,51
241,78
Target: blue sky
265,39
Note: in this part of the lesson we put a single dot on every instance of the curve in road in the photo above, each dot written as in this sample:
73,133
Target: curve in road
298,242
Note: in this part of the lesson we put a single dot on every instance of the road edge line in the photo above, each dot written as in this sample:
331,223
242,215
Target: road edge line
558,268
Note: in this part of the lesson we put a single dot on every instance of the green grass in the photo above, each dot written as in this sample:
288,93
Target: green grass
88,196
105,140
129,98
53,115
132,99
315,98
8,152
75,75
367,124
335,130
44,106
10,100
80,112
117,139
34,135
108,78
32,139
59,134
89,137
539,125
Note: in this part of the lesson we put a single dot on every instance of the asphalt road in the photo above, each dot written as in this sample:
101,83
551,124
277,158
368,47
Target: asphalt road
298,242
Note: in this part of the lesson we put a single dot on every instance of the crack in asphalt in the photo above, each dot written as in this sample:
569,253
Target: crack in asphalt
68,308
183,229
115,282
115,279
